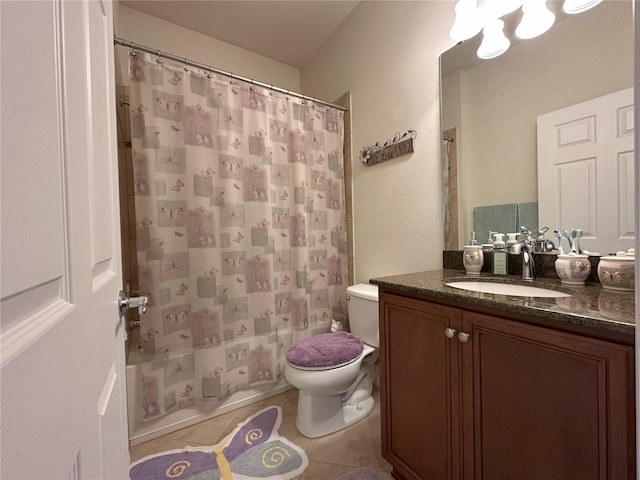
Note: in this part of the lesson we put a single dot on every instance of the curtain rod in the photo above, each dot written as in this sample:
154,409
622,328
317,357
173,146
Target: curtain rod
209,68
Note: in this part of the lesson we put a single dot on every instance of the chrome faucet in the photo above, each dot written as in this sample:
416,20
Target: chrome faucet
526,252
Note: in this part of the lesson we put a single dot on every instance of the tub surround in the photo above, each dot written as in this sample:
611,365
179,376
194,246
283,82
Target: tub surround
601,311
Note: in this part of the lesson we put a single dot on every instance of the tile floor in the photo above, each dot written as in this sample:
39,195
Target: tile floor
329,457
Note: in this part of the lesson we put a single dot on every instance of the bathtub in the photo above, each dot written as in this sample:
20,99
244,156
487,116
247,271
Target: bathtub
143,430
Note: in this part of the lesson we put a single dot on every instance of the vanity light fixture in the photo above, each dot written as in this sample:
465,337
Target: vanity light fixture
494,42
468,22
579,6
501,8
536,19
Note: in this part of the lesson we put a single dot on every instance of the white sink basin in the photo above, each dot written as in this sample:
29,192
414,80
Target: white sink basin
507,289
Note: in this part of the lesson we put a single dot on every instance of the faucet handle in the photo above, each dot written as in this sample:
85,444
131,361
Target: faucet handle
542,244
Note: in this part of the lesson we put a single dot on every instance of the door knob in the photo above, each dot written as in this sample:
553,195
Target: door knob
449,332
464,337
125,302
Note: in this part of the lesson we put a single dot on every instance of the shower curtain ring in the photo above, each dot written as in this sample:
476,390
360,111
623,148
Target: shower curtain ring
209,75
185,68
159,59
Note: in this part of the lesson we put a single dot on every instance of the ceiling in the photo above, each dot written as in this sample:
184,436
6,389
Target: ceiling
290,32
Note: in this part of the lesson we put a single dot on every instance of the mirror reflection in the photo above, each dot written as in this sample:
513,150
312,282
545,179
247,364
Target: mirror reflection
490,108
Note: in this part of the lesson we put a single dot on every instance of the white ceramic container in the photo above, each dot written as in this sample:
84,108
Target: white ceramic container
473,259
572,268
616,272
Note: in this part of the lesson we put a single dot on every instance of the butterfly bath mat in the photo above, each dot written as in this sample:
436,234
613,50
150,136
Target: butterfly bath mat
254,450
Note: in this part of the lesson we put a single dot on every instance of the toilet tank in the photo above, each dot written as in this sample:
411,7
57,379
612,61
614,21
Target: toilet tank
363,312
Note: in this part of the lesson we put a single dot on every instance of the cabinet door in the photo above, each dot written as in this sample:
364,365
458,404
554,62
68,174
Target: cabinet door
541,404
420,389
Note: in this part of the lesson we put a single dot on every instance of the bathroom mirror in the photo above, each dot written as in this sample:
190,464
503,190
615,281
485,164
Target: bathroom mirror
489,107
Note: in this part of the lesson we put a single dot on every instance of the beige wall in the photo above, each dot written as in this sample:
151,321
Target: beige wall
153,32
581,58
386,55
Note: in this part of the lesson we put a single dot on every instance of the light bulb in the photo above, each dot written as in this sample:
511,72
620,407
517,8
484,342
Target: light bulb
494,42
500,8
579,6
468,21
536,19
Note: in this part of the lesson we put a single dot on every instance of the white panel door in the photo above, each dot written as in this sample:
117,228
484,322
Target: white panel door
62,343
586,171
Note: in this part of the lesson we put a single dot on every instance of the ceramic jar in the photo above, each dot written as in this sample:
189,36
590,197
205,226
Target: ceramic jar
473,259
617,272
572,268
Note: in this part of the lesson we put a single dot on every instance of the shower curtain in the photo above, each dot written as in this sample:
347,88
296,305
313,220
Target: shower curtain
240,227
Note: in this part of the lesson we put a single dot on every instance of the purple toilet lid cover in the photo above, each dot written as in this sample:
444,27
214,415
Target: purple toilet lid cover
325,350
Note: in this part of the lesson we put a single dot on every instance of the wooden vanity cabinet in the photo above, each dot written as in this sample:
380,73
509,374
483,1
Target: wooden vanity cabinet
420,389
500,399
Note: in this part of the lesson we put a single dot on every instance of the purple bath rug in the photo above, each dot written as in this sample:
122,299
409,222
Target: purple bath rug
253,451
365,473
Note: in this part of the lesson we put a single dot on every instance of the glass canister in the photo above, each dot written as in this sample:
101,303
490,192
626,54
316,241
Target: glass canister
617,272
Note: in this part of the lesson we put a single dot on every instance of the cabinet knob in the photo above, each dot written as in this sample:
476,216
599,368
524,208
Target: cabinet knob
449,332
464,337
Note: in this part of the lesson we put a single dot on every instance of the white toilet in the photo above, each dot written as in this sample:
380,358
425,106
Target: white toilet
335,371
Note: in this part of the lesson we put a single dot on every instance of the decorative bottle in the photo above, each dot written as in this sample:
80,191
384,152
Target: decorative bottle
472,257
500,256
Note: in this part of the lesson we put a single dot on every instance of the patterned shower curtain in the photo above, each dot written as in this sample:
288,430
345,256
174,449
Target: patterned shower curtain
240,224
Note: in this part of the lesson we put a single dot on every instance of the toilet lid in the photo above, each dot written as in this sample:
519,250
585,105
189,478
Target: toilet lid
325,350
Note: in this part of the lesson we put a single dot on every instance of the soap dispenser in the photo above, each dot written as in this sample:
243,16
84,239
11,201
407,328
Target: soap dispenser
512,243
488,247
500,255
472,257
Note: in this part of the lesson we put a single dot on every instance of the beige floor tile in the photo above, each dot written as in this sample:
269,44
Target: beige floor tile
204,433
328,471
158,445
323,471
355,446
288,429
329,457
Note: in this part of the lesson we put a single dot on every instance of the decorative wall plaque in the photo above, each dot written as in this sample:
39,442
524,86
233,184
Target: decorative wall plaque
397,146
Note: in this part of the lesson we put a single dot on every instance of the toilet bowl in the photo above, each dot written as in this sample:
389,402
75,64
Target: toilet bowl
334,372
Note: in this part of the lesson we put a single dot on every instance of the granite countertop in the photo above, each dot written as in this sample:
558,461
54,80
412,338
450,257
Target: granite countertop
589,305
